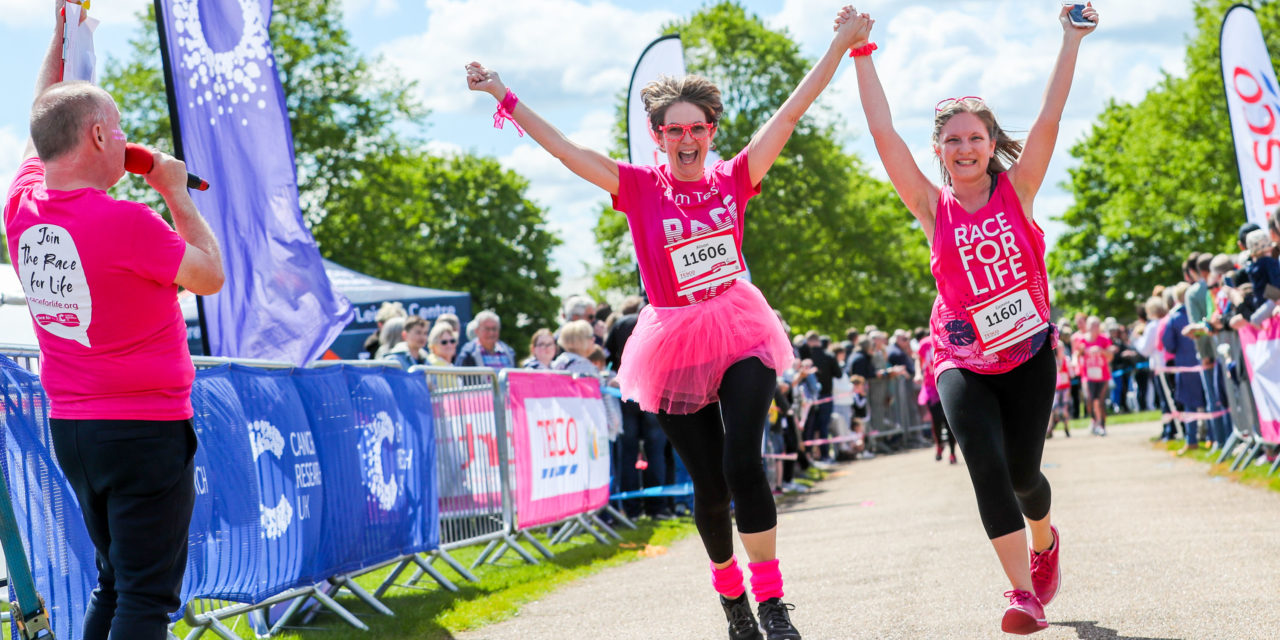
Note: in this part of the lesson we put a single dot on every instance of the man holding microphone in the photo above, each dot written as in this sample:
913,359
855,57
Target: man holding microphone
101,277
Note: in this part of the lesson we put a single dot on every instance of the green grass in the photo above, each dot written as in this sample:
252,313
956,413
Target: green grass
433,613
1118,419
1253,475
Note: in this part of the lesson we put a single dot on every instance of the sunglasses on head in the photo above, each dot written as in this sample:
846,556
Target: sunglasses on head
946,102
696,130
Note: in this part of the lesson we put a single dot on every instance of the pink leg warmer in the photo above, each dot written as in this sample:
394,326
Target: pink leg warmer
766,580
728,581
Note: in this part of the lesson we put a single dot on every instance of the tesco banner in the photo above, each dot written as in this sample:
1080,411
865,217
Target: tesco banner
561,446
1253,100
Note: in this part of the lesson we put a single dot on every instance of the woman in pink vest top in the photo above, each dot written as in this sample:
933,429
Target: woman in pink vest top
993,342
706,354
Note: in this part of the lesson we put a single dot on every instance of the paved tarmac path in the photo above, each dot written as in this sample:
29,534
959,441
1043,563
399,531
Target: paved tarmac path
1153,548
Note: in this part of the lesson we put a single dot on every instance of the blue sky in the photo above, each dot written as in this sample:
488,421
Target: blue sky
569,58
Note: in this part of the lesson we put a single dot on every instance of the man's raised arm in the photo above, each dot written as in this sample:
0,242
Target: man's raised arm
51,69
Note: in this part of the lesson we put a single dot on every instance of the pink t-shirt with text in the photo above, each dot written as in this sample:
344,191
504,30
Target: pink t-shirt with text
992,309
98,274
663,211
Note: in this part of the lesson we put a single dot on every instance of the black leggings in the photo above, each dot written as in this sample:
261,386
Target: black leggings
999,421
720,447
939,420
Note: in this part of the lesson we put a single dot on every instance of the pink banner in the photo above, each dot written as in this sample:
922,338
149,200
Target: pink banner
561,446
1262,355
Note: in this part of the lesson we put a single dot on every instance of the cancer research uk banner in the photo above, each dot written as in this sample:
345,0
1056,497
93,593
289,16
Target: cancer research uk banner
561,446
277,303
1253,101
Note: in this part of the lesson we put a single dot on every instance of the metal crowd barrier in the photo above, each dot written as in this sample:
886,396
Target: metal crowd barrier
1246,430
475,484
893,417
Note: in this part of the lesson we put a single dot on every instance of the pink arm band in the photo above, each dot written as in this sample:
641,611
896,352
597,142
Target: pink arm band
505,108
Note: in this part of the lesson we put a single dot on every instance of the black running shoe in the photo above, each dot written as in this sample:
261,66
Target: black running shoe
742,624
775,619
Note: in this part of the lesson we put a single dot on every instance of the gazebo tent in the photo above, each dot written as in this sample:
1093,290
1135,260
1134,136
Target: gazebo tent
366,294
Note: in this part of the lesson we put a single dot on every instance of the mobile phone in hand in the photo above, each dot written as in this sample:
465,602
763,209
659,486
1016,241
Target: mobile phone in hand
1077,15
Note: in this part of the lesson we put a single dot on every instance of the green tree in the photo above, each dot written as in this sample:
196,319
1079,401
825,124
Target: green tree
340,109
375,200
1156,180
460,220
827,244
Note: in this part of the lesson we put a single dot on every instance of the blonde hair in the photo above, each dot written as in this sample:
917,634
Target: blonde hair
576,334
1156,308
1007,149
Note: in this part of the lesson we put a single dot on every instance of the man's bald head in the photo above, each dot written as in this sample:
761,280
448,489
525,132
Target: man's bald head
62,116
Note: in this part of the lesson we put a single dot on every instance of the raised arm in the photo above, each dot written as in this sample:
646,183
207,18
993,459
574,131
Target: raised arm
908,180
51,68
1028,172
589,164
852,30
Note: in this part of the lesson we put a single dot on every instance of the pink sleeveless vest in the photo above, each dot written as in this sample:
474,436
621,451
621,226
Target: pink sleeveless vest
992,309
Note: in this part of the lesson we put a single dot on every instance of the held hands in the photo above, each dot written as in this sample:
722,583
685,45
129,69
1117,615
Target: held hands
1072,30
852,29
481,79
168,175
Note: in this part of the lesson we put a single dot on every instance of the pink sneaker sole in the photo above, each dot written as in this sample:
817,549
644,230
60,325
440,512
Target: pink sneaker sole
1021,623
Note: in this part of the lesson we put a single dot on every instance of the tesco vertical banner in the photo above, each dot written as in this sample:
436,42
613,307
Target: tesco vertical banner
561,446
1253,100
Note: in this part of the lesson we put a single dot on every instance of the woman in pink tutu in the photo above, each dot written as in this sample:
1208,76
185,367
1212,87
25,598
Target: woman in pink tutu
705,355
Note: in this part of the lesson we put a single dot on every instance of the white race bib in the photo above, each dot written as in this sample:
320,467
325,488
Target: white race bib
705,261
1003,321
1094,374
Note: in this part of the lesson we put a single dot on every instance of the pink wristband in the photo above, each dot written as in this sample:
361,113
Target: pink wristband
505,107
864,50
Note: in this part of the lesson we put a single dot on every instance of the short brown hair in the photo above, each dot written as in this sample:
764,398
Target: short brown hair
415,321
62,113
698,91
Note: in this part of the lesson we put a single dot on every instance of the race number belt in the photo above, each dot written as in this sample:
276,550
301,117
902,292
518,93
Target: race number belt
1002,322
704,261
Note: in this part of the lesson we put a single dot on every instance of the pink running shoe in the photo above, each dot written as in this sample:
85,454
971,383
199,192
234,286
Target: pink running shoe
1025,613
1045,576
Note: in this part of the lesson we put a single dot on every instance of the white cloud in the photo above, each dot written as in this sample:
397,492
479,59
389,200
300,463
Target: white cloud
33,13
553,50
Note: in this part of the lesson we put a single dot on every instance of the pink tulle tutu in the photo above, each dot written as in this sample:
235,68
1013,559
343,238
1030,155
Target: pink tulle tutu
676,357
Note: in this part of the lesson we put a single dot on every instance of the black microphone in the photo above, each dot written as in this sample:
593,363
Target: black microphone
139,159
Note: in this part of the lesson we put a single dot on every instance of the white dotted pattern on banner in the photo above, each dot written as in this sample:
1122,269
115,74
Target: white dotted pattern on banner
231,79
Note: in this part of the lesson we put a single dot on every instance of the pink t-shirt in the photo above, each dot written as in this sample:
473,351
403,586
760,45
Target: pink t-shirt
928,383
663,212
992,309
98,274
1095,363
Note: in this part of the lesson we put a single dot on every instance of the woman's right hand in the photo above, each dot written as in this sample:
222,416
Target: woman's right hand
481,79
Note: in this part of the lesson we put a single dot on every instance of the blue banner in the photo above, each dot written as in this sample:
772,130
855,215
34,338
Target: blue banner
422,499
225,538
48,517
290,482
300,475
277,303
